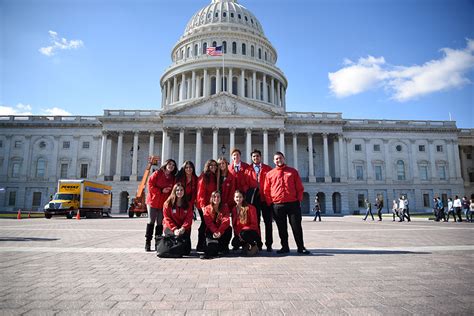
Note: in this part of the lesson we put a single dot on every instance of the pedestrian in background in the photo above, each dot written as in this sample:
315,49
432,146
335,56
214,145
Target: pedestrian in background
317,209
368,207
379,206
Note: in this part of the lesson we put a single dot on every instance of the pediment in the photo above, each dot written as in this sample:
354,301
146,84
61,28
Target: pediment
223,104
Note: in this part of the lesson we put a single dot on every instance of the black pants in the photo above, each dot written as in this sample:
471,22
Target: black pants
201,232
458,213
263,210
316,215
379,213
222,242
441,215
451,211
292,211
248,236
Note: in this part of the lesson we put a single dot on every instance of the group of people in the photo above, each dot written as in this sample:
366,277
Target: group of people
455,208
400,209
231,198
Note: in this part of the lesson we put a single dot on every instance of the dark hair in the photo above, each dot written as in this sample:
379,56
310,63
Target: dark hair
236,150
256,151
206,173
182,172
163,167
279,153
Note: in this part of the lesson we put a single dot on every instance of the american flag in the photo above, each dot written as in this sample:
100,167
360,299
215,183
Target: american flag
214,51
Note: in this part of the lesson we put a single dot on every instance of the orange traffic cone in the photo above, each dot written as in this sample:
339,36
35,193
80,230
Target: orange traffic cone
78,215
29,214
19,214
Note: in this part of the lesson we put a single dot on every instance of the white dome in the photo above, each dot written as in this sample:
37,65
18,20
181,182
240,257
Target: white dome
224,12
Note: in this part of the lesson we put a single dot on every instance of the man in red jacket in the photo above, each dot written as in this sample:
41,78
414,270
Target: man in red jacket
237,169
283,188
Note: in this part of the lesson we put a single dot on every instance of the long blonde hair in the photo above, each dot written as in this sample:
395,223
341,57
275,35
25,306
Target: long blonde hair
244,209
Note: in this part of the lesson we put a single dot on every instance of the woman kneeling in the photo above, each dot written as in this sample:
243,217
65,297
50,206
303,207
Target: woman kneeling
244,221
218,231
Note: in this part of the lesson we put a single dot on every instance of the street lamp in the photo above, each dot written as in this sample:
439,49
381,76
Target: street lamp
223,149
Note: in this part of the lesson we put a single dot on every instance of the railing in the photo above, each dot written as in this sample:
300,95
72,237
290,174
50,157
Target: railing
315,115
397,123
48,119
131,113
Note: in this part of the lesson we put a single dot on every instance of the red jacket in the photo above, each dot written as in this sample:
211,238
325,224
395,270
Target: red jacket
252,221
227,190
205,190
219,224
156,183
283,185
251,177
240,177
177,217
190,188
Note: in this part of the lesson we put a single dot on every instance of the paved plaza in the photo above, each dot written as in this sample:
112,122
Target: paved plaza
99,267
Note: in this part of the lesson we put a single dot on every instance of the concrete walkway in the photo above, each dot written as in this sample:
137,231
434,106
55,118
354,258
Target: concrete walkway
98,267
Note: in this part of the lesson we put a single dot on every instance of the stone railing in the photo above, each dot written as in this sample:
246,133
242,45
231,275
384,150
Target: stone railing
399,123
314,115
131,113
47,119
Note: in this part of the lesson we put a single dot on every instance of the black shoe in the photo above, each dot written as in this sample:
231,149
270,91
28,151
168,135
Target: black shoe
205,257
304,251
269,249
147,246
283,250
200,248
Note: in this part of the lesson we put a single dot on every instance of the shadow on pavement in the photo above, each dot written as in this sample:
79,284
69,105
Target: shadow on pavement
26,239
364,252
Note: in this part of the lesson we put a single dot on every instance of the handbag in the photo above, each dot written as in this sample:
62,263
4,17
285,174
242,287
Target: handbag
170,247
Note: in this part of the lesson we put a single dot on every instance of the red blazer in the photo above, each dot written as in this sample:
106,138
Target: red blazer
283,185
227,190
219,224
156,183
240,178
251,177
190,188
252,221
205,190
174,218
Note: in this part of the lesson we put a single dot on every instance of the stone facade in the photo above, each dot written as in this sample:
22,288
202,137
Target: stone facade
211,104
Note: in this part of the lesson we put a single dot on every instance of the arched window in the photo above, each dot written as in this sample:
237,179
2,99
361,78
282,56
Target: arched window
195,53
261,91
224,14
234,86
214,44
265,56
188,52
224,47
232,14
201,90
244,49
252,51
40,168
224,83
234,48
259,53
269,91
246,88
400,170
204,48
182,53
213,85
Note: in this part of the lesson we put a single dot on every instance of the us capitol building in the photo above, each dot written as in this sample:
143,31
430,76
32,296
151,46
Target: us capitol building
207,109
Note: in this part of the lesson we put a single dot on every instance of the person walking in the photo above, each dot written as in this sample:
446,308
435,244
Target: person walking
317,209
451,210
379,206
441,213
457,208
406,208
160,184
255,177
245,224
465,207
218,230
368,207
395,210
284,189
471,208
207,183
435,209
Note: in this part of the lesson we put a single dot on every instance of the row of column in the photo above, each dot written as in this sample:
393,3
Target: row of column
196,85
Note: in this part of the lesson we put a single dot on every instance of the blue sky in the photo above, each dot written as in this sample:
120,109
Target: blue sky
383,59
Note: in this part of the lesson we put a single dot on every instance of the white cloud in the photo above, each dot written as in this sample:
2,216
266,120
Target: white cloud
19,109
56,112
59,44
404,83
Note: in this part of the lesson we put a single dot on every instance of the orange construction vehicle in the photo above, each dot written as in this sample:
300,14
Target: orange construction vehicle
138,205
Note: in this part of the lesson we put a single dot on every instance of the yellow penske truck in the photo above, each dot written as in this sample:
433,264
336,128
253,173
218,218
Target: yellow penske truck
83,196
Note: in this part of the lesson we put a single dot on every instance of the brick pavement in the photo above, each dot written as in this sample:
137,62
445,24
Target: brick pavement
98,267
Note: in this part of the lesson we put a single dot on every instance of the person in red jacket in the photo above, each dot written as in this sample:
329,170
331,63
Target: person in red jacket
255,176
245,224
207,183
218,231
177,221
237,169
160,184
283,188
225,182
187,177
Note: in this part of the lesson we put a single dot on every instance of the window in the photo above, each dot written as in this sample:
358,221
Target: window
214,44
85,145
16,170
224,47
17,143
468,156
400,170
66,145
232,14
426,200
239,16
63,173
424,173
234,48
42,144
1,143
195,52
246,18
244,49
40,168
84,170
361,200
376,147
234,86
246,89
359,173
358,147
439,148
378,173
12,198
188,52
36,199
259,53
224,14
421,148
398,148
217,14
204,48
442,172
471,177
213,85
265,56
252,51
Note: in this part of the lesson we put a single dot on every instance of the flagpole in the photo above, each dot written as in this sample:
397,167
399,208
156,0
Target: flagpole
223,69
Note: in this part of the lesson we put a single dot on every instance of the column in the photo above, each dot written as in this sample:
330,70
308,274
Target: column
349,159
118,166
181,147
175,89
327,177
283,100
278,100
189,89
248,142
265,146
193,85
232,139
282,140
229,81
254,85
74,160
6,158
457,161
311,176
343,173
272,93
242,83
198,163
413,162
197,93
206,83
265,92
388,161
368,160
164,145
215,132
168,92
163,96
181,89
103,149
133,176
335,153
434,175
295,150
218,81
151,146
